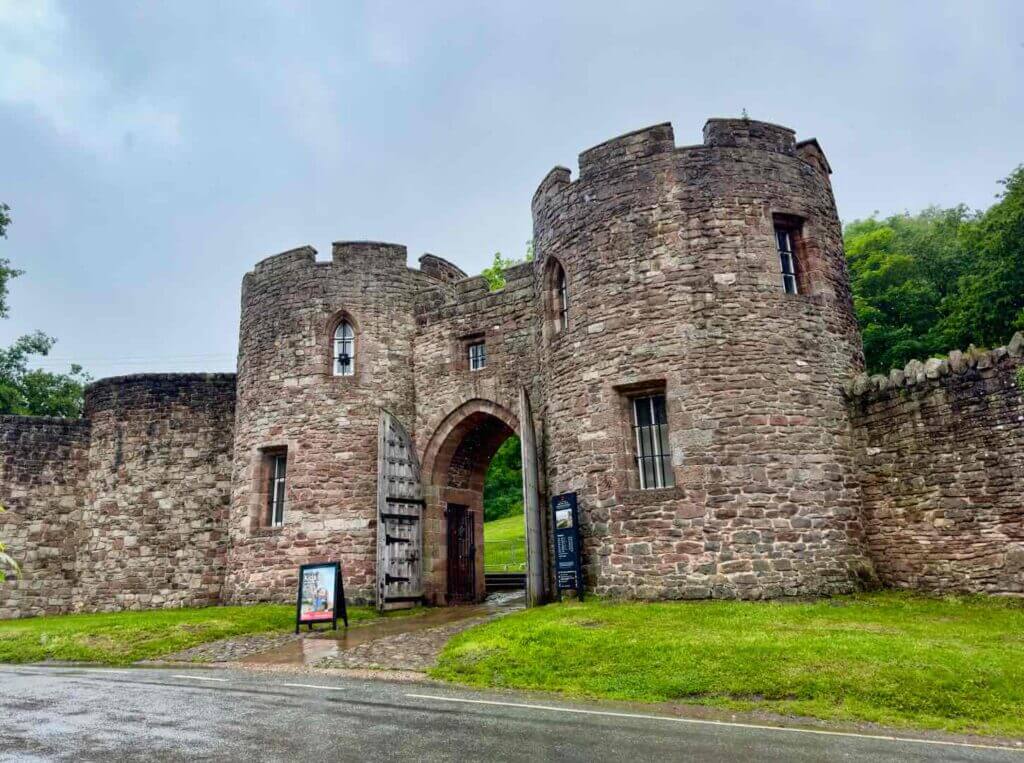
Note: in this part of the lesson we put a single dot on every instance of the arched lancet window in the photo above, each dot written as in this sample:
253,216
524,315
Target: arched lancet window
556,298
344,350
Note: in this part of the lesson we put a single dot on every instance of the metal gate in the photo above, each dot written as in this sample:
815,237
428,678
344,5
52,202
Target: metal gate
461,554
400,518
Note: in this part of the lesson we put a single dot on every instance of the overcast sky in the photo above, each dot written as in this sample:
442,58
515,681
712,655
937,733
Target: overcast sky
152,153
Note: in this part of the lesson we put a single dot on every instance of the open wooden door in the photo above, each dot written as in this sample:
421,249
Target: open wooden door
399,518
531,505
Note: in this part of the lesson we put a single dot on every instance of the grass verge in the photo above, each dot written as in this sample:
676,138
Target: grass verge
955,664
505,544
123,637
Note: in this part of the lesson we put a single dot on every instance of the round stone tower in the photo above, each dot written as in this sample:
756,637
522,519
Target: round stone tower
293,404
674,287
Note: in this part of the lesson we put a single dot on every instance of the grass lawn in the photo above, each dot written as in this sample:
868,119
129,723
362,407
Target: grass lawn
893,658
123,637
504,543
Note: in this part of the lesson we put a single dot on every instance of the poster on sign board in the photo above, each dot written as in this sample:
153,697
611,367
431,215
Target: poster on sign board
321,597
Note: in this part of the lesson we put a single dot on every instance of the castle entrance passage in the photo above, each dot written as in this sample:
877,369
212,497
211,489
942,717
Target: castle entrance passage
454,469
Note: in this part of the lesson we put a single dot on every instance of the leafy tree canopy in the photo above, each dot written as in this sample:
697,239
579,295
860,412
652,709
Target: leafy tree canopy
495,274
944,278
32,392
503,485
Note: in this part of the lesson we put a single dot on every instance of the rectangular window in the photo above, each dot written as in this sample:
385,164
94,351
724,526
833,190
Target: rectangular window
787,256
477,356
277,466
650,435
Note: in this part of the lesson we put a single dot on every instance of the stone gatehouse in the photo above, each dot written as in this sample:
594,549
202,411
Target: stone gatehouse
681,352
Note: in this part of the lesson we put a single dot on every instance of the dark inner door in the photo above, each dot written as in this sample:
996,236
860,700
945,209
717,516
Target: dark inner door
461,554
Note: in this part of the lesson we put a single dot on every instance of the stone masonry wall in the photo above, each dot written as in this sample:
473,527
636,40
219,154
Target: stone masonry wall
463,416
675,286
43,464
794,473
941,461
289,399
153,532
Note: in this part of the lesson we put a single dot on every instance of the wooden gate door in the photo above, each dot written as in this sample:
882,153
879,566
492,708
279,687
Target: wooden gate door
535,567
399,518
461,554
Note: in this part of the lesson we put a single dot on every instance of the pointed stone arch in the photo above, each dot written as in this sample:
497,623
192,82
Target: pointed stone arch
455,462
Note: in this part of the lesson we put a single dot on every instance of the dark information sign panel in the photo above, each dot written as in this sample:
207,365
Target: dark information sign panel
568,550
321,596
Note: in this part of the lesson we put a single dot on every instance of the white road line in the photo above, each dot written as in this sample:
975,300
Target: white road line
316,686
703,722
200,678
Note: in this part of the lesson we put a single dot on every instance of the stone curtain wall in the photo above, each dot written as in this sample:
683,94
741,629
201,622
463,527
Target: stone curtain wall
43,463
941,457
153,533
674,283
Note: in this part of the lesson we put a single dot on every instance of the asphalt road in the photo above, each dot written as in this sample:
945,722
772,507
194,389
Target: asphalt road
87,714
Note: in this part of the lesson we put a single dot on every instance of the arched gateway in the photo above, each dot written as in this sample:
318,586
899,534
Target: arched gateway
430,536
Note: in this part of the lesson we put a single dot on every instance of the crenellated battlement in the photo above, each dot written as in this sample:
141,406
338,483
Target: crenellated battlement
303,255
631,148
749,133
347,254
441,269
635,150
355,253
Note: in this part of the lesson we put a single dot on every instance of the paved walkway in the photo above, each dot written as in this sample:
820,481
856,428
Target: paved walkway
413,650
400,643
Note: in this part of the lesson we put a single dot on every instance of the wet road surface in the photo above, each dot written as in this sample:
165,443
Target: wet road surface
86,714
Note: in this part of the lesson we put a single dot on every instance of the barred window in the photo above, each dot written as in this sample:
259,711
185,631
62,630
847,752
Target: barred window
477,356
787,256
277,464
650,433
344,350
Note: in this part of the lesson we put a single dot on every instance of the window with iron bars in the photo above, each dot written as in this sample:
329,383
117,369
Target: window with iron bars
650,435
278,463
787,256
477,356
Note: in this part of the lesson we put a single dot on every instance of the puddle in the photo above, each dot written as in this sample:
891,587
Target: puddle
315,647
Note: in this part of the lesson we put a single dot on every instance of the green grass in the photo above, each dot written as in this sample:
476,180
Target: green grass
955,664
123,637
504,543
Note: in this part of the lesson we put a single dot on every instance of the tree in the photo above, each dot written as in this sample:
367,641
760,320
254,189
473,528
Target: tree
495,274
988,305
941,279
901,271
503,484
33,392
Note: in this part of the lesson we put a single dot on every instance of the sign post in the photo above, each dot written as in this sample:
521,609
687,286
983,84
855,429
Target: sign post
568,548
321,595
